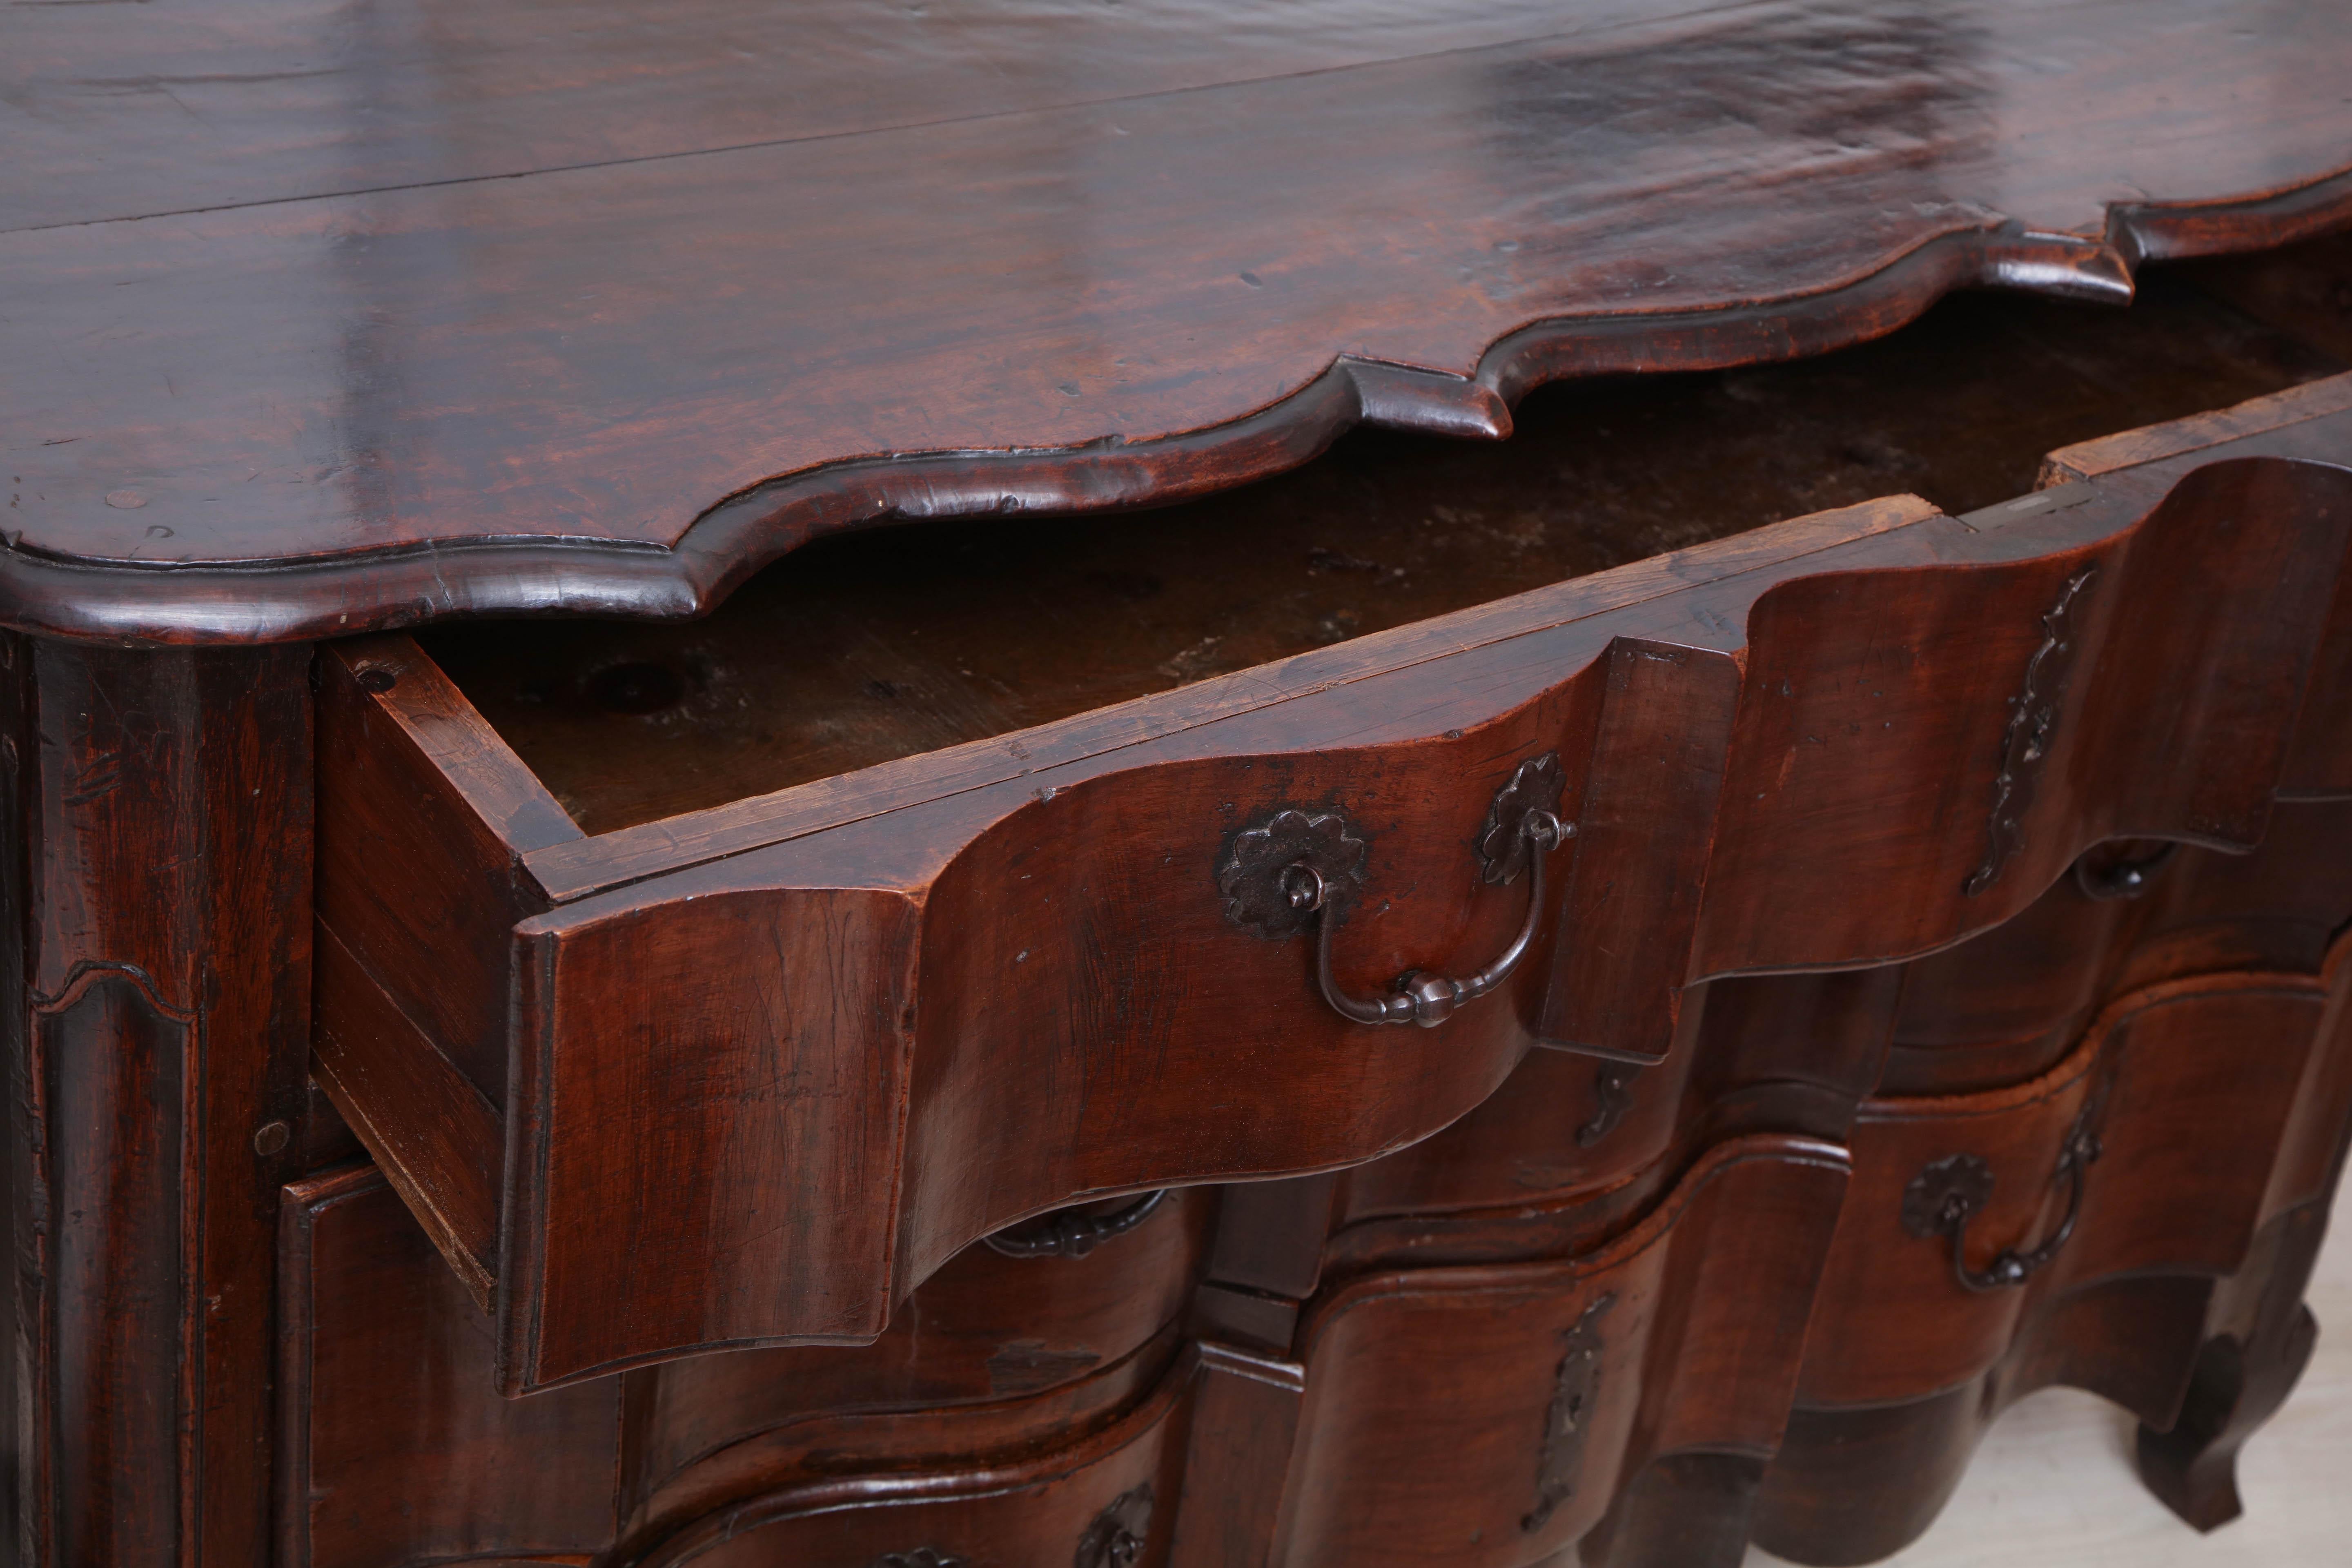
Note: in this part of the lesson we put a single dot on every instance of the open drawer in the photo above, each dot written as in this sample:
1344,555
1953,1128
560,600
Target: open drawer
711,985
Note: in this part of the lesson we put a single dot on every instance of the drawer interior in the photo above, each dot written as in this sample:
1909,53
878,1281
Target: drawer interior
875,646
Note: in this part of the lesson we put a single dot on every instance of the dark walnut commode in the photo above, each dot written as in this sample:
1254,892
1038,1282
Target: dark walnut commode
980,786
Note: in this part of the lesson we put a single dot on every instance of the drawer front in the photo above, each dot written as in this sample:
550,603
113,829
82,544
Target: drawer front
786,1084
841,1088
1106,1502
396,1451
2186,1089
994,1354
1918,754
1011,1350
785,1058
1490,1416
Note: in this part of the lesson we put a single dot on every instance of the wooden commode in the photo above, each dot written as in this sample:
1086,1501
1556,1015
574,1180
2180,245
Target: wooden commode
1011,782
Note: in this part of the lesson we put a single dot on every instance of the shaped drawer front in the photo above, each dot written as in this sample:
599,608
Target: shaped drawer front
748,1074
757,1096
1919,753
1491,1416
840,1086
1105,1501
2155,1148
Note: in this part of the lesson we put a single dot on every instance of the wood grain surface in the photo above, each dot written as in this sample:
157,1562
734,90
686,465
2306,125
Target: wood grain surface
416,1467
433,315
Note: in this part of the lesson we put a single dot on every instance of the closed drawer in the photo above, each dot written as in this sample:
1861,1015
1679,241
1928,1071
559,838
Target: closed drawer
1493,1416
993,1356
746,1072
2162,1145
1107,1500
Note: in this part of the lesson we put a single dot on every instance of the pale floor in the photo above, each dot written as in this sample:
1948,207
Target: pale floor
2053,1482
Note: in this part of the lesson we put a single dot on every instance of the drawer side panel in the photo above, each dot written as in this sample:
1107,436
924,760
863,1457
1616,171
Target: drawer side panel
423,817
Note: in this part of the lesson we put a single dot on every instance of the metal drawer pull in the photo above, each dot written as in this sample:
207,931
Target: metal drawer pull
1421,997
1070,1234
1943,1198
1294,867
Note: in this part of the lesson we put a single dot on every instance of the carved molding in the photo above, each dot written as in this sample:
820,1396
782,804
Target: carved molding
1567,1422
293,598
103,1096
2033,726
88,971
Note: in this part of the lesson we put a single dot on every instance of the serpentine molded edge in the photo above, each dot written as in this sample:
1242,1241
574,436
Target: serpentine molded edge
304,599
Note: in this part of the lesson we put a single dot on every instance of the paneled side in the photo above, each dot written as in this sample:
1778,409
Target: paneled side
155,1068
116,1356
20,1306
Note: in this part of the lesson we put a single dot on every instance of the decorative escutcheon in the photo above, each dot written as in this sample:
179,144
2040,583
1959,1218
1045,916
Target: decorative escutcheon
1295,868
1567,1423
1070,1233
2032,725
1943,1198
920,1557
